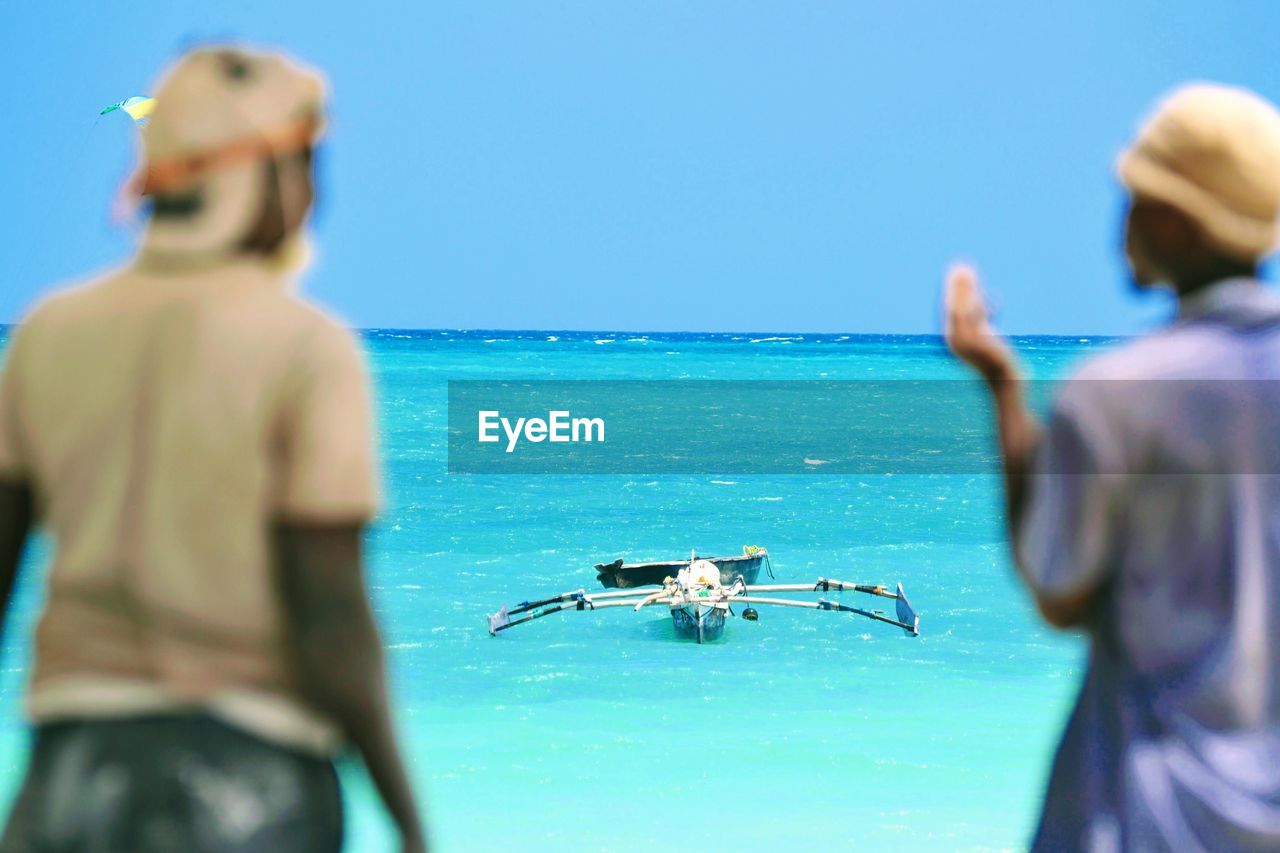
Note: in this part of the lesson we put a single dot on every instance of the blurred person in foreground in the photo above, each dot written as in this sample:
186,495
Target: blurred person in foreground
1147,512
196,438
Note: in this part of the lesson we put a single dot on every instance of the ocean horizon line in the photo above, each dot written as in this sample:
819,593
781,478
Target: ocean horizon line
621,335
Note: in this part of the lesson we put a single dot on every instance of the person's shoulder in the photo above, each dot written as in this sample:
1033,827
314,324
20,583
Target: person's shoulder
1117,391
1103,388
318,332
1164,354
65,303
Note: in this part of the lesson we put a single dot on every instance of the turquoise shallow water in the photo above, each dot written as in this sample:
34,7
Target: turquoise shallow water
601,731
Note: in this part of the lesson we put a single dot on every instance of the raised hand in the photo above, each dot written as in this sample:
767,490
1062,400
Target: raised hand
967,327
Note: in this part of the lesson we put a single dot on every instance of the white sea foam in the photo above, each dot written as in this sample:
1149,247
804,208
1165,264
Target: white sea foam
545,676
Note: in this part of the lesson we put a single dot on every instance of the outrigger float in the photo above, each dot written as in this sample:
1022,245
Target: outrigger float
702,594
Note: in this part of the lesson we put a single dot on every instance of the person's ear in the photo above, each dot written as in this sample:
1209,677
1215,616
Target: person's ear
286,201
297,192
1178,232
1163,242
1142,243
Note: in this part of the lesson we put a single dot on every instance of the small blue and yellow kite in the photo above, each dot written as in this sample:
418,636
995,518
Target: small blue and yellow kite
138,108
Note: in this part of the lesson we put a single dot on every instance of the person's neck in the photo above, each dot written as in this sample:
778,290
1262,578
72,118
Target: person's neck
1193,283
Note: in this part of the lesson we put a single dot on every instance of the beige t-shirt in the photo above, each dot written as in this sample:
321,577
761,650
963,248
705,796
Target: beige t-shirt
165,417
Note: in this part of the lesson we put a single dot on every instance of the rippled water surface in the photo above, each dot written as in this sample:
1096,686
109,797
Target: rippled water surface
602,730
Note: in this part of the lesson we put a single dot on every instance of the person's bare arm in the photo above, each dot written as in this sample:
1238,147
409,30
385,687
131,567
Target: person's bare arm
339,654
970,337
16,520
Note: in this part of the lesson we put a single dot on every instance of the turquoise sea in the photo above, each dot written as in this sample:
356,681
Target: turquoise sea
601,731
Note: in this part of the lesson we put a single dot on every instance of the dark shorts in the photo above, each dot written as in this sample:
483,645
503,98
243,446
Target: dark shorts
171,783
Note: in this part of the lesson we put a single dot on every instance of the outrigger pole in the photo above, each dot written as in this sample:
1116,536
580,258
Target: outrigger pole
911,628
640,597
574,595
907,619
578,599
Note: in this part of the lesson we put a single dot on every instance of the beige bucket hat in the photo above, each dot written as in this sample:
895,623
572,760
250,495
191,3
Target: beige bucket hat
221,111
1213,152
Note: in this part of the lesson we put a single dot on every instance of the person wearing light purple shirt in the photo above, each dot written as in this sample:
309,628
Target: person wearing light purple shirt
1147,510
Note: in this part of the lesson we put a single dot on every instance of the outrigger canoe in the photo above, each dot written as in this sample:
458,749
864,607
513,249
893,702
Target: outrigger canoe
699,601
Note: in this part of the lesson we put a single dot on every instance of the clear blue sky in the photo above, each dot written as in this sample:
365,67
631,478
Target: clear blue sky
804,166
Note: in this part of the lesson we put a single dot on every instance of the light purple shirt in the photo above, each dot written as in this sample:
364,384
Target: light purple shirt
1158,489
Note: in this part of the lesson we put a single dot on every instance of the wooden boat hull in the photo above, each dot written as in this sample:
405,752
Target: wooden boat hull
700,622
619,575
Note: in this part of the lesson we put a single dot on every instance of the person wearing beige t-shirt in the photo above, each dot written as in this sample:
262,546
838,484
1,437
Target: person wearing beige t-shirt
196,439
